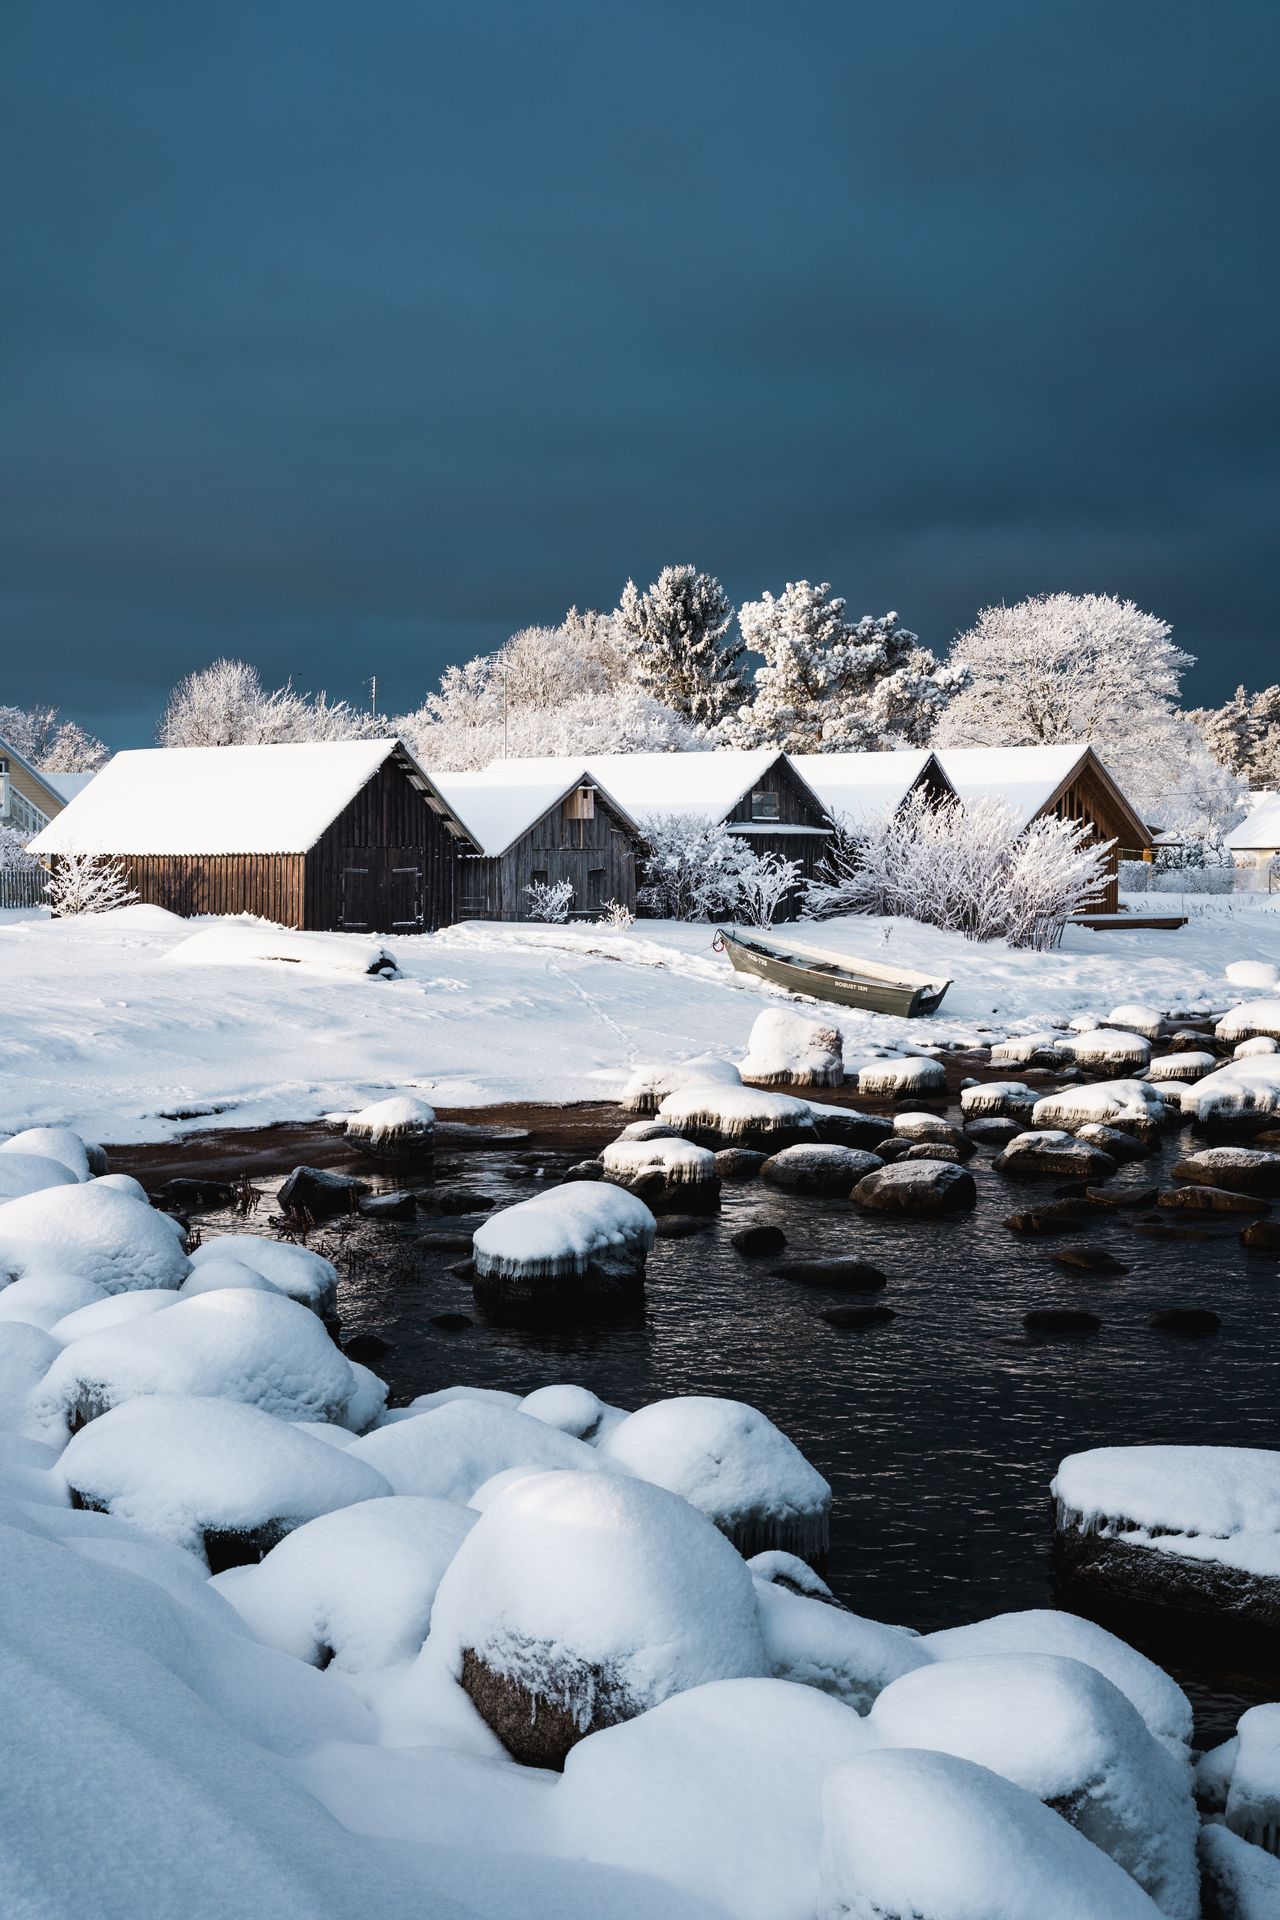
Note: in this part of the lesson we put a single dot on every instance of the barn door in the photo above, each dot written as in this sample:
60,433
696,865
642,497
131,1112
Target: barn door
405,890
357,894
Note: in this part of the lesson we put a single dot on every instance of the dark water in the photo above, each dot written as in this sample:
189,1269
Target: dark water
939,1431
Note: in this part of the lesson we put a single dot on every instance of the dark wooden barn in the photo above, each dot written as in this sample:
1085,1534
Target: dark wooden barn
337,836
540,822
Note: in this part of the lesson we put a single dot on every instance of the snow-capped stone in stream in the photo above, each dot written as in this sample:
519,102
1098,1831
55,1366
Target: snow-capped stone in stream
123,1183
1120,1145
1197,1528
1188,1065
1030,1050
924,1187
576,1250
926,1836
1135,1018
819,1169
1252,973
450,1450
23,1173
1239,1169
1000,1099
846,1127
1062,1731
579,1600
788,1049
42,1299
114,1310
1053,1153
720,1116
223,1479
1240,1090
575,1410
1160,1700
649,1086
893,1079
1131,1104
26,1354
94,1231
648,1130
790,1571
661,1168
353,1588
818,1644
401,1124
1261,1043
216,1274
734,1465
1108,1048
1240,1880
299,1272
58,1143
1253,1796
254,1347
718,1790
1250,1019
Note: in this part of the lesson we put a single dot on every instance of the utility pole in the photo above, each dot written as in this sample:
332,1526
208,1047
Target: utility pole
373,695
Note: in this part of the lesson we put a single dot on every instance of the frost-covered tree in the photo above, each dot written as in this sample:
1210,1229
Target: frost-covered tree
681,652
87,883
766,883
226,705
830,685
1243,735
49,742
14,857
550,900
692,867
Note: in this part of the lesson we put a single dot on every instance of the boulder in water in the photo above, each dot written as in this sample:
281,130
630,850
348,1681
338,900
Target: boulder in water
316,1193
841,1272
790,1049
1053,1154
924,1188
575,1251
818,1169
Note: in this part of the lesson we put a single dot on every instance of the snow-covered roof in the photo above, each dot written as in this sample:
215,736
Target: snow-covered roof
501,802
640,784
1023,777
67,785
212,800
1260,831
861,786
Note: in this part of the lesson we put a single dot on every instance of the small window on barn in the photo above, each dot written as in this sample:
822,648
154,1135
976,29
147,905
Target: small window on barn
539,877
765,806
581,804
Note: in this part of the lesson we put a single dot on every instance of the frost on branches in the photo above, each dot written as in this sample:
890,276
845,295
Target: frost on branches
696,869
766,884
226,705
14,857
50,743
966,868
550,900
677,636
1243,735
87,883
828,685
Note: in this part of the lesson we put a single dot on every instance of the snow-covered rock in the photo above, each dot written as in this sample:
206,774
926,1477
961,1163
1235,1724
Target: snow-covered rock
297,1271
402,1123
42,1299
1109,1048
123,1183
94,1231
1242,1880
1181,1066
449,1451
819,1169
231,942
1060,1730
788,1049
114,1310
23,1173
1253,1795
925,1187
926,1836
258,1348
810,1640
664,1167
1241,1089
1132,1104
1133,1017
579,1600
26,1354
216,1274
722,1116
1030,1050
1004,1099
57,1143
718,1790
1250,1019
1260,1043
219,1477
1239,1169
732,1464
354,1587
649,1086
574,1410
1252,973
894,1079
579,1249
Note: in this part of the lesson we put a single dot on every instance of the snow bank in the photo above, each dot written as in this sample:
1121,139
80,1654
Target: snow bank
254,1347
305,1276
1237,1091
42,1299
1252,973
649,1086
182,1468
1061,1731
57,1143
26,1354
94,1231
718,1790
239,942
1161,1702
23,1173
789,1049
594,1597
1110,1103
925,1836
401,1122
896,1078
1252,1018
724,1116
817,1644
355,1587
451,1450
731,1463
1210,1503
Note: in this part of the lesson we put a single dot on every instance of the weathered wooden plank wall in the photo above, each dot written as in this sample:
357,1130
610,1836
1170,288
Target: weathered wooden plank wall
388,827
597,857
269,884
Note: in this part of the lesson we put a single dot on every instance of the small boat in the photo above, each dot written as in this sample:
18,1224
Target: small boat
832,976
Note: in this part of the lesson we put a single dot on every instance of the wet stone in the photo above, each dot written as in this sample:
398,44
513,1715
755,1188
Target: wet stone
1192,1323
843,1127
1239,1169
757,1243
451,1322
1137,1197
389,1206
739,1163
463,1268
1262,1236
1211,1200
462,1200
850,1319
1060,1320
820,1170
1055,1216
368,1348
843,1273
1040,1156
924,1188
991,1130
678,1226
1165,1230
1090,1260
318,1193
894,1148
584,1170
189,1195
449,1236
1120,1144
935,1150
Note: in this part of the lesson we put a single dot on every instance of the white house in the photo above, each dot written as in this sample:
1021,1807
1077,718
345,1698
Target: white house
1257,839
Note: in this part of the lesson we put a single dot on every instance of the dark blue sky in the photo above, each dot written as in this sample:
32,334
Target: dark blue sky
349,337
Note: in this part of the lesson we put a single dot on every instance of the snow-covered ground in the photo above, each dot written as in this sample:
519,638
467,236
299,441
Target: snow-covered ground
103,1029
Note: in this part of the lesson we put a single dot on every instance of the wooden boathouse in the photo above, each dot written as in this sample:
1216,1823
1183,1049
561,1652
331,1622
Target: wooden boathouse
346,836
546,821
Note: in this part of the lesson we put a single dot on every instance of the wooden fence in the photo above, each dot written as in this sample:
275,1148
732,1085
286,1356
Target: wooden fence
22,886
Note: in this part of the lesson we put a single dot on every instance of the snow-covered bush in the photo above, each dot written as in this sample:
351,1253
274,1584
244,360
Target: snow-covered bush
615,915
693,867
549,900
87,883
765,883
835,880
970,869
14,857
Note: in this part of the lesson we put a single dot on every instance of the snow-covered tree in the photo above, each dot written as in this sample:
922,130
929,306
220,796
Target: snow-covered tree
87,883
226,705
681,652
14,857
692,867
766,882
464,725
1243,735
550,900
830,685
49,742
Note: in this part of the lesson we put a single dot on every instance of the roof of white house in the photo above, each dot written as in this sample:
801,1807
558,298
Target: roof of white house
501,802
642,784
67,785
1023,777
1260,832
862,786
211,800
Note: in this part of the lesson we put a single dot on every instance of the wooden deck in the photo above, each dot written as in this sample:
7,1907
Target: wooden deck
1129,922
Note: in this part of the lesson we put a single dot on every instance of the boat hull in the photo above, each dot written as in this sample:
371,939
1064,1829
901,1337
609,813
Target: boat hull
845,989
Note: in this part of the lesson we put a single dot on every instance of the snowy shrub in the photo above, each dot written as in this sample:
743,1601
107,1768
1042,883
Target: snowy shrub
765,883
1135,876
87,883
828,893
693,867
550,900
616,915
14,857
970,869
